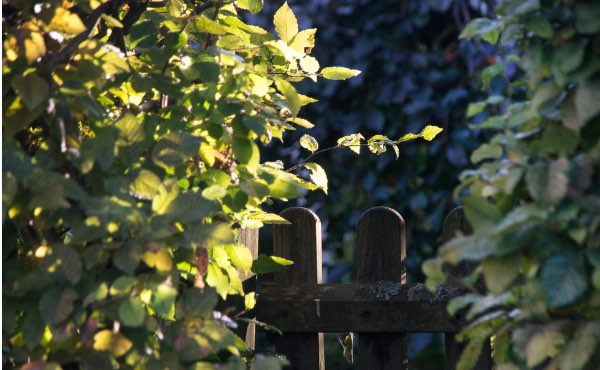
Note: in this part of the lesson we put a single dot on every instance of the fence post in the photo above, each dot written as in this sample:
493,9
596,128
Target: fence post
248,237
456,222
381,256
300,242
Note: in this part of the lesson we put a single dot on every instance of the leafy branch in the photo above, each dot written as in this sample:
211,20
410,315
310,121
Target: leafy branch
377,144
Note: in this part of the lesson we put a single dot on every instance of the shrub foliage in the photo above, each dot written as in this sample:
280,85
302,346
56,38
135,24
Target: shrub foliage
533,198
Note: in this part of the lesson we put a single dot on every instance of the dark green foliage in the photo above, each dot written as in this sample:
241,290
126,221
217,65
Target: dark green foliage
533,197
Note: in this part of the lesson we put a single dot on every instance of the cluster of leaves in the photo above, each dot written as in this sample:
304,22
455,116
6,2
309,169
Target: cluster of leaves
130,165
533,200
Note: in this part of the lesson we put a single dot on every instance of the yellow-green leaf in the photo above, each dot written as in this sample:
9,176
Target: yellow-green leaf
430,132
115,343
250,300
291,96
304,41
285,23
308,142
66,22
339,73
317,175
309,64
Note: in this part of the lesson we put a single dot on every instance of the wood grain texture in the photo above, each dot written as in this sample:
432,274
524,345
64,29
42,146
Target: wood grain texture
454,224
381,256
300,242
248,237
365,308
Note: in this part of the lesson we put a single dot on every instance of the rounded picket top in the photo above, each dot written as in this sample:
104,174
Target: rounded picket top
381,246
456,221
300,241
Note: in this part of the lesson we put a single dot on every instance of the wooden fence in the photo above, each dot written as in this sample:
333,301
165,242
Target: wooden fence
380,308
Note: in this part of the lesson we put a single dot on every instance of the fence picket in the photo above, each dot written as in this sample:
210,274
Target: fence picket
248,237
380,256
300,242
456,222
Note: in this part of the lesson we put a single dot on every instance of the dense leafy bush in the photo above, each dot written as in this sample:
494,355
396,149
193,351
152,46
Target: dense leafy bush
533,199
130,165
130,162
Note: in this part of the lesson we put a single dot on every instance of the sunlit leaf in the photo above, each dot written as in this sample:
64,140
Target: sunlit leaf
317,175
285,23
308,142
339,73
115,343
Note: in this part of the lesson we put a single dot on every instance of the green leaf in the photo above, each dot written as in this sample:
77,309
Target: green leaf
499,273
285,23
132,312
482,215
246,152
317,175
33,330
470,354
175,7
304,41
563,279
145,185
378,144
486,151
56,304
174,149
309,64
265,264
487,29
218,280
580,347
310,143
339,73
586,17
540,26
547,183
131,137
474,109
143,35
99,293
163,301
430,132
240,256
301,122
291,96
32,89
587,97
214,192
351,141
490,72
253,6
542,345
204,24
122,286
250,300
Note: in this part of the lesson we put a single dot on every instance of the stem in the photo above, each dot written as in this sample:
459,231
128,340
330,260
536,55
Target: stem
323,151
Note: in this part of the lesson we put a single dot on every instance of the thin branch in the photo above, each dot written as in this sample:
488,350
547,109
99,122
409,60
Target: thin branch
303,162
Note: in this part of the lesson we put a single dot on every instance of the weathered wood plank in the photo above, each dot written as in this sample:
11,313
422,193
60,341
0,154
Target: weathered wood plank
248,237
382,308
301,242
454,223
380,256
